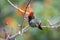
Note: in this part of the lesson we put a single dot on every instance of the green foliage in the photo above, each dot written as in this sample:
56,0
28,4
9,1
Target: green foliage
40,11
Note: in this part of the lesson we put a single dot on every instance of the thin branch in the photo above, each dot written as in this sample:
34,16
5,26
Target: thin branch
55,23
52,26
49,22
17,7
16,34
19,32
25,29
25,13
27,6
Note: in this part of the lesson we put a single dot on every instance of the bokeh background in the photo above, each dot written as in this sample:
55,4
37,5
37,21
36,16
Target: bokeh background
43,10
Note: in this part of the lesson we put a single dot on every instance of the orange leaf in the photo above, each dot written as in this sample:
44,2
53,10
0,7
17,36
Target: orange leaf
23,7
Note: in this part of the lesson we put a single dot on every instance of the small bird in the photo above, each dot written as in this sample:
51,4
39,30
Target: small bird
34,22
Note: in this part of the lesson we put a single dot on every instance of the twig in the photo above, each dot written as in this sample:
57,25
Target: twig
49,22
19,32
52,26
25,13
16,7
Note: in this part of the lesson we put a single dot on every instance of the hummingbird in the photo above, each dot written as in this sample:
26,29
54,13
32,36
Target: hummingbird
33,22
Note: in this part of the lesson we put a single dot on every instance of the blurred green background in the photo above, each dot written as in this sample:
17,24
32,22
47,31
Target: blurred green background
43,10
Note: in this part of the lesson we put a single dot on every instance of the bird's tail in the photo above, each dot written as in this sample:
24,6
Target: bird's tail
40,27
